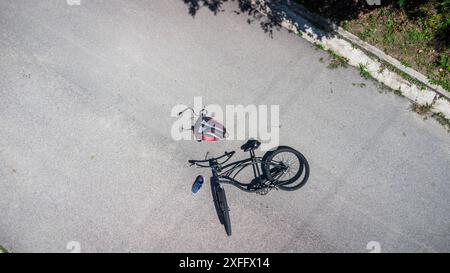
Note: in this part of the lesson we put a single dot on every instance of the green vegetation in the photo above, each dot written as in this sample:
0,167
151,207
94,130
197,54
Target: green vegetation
415,32
425,111
319,46
442,120
398,93
444,83
364,72
444,62
421,109
337,60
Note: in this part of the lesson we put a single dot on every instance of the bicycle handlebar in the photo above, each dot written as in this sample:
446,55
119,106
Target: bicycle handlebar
196,162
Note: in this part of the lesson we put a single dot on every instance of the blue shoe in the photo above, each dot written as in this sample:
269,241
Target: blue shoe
197,184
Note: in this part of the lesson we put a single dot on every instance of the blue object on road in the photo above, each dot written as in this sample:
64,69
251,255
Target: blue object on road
197,184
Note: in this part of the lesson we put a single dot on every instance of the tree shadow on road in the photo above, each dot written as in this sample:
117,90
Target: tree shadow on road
275,10
279,10
214,6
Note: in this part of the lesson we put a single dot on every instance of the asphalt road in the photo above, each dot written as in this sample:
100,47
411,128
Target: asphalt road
86,154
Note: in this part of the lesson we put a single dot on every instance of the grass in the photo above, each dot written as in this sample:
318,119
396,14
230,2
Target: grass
425,111
398,93
364,72
319,46
405,63
443,83
444,62
367,33
442,120
411,40
421,109
337,60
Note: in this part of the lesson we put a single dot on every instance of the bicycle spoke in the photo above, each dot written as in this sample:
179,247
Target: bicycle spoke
289,162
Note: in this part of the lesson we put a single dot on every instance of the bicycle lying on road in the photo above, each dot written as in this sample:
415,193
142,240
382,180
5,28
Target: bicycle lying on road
283,168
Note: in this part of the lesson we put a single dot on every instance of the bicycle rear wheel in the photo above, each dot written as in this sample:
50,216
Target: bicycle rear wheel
286,167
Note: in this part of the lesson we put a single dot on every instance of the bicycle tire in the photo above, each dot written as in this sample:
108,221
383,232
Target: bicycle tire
223,205
286,185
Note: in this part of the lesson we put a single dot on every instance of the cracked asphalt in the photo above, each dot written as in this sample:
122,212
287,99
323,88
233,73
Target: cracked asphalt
86,154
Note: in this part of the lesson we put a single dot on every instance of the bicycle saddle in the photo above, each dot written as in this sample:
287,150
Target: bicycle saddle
252,144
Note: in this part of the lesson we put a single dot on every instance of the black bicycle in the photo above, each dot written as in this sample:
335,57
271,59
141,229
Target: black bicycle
283,168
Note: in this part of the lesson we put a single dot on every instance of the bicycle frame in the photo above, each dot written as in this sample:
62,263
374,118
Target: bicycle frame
227,174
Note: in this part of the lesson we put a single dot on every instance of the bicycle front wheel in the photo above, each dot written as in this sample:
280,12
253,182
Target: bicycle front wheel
286,167
223,205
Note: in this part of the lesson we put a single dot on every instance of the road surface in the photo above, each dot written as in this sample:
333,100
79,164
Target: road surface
87,158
